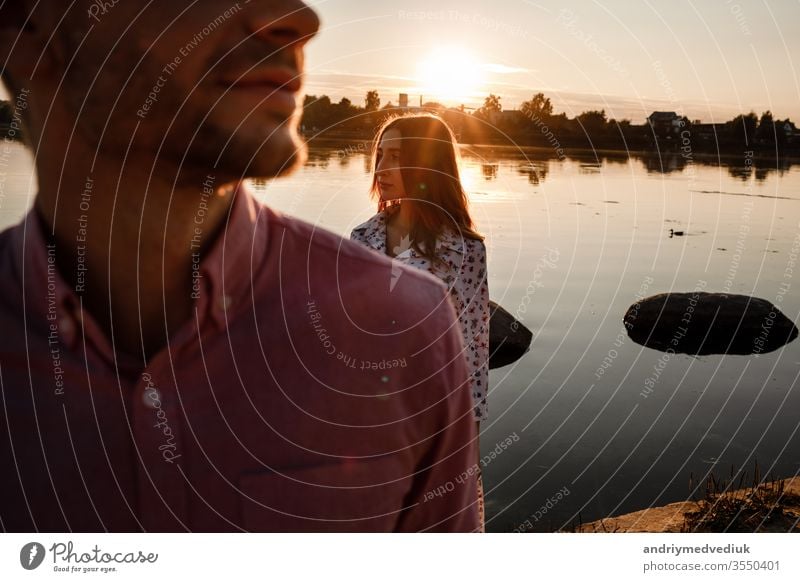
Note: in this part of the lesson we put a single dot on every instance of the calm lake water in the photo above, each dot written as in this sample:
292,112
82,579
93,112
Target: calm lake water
572,243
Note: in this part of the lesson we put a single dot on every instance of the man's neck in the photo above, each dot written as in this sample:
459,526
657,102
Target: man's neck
132,226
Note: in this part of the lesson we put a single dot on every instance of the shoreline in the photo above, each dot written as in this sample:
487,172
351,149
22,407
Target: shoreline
670,518
722,156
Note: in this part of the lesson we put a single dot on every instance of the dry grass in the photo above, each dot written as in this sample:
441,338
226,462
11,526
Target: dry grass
761,506
577,526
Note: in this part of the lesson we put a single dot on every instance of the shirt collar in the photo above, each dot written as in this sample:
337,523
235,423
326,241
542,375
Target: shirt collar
37,269
236,256
226,270
373,233
450,239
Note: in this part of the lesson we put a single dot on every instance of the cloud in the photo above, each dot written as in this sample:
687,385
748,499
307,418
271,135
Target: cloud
504,69
337,84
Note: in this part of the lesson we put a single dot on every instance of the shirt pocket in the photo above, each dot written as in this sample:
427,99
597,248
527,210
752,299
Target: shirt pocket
354,495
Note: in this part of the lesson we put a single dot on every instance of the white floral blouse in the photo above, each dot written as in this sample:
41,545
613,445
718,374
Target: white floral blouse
464,272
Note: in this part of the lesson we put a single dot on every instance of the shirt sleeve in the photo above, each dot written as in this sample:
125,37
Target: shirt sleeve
444,496
471,297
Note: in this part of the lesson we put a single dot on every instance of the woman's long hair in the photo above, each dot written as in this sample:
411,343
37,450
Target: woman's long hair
429,167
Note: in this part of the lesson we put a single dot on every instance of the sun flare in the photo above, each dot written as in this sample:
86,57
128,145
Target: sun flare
450,74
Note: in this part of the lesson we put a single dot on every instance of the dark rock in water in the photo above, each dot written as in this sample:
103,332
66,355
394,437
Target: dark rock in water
509,340
708,323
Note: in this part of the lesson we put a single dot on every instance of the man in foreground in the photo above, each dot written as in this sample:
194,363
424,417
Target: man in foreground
176,356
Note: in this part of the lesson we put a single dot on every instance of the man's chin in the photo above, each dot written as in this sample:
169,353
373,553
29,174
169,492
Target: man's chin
257,155
273,158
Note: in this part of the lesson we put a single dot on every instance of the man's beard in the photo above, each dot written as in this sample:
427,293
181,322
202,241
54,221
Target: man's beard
232,157
195,141
203,147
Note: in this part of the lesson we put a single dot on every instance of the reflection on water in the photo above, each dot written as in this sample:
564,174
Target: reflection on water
596,413
572,244
535,171
743,167
489,171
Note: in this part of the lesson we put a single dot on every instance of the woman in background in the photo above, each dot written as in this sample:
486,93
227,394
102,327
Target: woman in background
423,221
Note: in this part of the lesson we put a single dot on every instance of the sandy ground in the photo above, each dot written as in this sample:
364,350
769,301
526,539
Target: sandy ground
669,518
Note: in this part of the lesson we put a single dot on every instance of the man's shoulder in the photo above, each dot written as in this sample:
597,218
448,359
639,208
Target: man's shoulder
348,257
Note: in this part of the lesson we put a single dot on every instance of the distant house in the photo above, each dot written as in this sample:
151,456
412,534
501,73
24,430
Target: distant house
666,124
792,133
788,128
707,132
404,103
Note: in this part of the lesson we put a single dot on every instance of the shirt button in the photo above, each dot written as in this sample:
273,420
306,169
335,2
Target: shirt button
225,301
66,327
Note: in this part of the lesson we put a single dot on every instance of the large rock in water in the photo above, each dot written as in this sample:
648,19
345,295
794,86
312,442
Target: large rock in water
509,340
708,323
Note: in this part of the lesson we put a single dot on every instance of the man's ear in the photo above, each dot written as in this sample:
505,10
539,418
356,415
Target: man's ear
16,48
25,44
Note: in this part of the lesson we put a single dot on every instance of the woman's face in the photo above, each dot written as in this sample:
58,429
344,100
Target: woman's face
387,166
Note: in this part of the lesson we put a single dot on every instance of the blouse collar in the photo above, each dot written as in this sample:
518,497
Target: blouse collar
373,232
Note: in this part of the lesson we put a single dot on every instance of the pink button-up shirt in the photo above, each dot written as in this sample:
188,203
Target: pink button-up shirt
463,270
301,396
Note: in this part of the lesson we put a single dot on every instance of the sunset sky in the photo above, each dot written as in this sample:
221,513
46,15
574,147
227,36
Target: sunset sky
712,59
707,60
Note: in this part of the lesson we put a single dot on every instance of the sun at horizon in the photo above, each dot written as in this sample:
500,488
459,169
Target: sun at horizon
450,74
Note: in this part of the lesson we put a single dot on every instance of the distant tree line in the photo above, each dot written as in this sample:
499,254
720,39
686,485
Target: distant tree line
536,124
